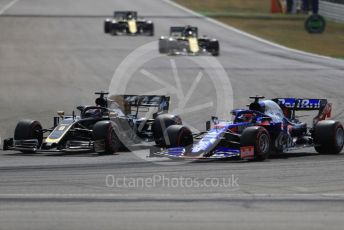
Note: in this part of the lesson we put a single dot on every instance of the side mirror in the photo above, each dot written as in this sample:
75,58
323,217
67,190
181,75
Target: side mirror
80,108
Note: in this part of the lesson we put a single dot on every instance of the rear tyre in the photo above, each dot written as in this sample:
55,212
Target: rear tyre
160,124
163,46
107,26
29,129
150,29
214,47
328,137
104,131
113,29
178,136
259,138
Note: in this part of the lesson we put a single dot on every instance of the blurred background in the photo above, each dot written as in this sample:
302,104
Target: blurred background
281,21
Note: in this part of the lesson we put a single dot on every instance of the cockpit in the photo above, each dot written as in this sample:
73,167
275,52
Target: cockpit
260,108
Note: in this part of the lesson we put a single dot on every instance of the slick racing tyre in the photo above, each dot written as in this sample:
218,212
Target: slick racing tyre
28,130
160,124
328,137
114,28
107,26
104,131
214,48
163,46
150,29
259,138
178,136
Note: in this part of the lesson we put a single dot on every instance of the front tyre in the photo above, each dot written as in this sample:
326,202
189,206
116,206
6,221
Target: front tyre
104,131
28,130
159,126
259,138
328,137
178,136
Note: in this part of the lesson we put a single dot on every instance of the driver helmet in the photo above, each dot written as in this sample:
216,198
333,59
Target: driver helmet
256,106
246,117
188,31
130,16
101,101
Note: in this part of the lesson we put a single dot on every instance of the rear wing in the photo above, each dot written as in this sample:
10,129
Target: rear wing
161,102
124,14
300,103
290,105
178,31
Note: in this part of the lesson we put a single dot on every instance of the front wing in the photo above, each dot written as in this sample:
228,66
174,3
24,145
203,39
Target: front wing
221,153
71,146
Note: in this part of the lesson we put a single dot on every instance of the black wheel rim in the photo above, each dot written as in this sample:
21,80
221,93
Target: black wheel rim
263,143
340,137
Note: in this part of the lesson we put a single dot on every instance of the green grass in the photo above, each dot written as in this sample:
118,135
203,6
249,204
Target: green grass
253,16
261,6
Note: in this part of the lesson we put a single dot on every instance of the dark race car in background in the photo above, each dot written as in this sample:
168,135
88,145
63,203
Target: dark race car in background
268,126
128,23
185,41
103,128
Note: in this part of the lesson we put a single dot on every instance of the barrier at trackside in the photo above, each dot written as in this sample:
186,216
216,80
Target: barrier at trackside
332,10
276,6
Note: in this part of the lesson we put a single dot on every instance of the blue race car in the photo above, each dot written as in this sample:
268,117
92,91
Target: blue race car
267,126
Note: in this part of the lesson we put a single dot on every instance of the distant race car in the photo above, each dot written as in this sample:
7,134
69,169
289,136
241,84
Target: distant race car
127,23
185,41
103,128
268,126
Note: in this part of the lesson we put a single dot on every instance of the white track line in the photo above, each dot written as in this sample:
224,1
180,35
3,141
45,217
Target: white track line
246,34
6,7
295,196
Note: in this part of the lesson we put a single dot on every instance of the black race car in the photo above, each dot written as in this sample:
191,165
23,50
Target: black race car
185,41
127,23
103,128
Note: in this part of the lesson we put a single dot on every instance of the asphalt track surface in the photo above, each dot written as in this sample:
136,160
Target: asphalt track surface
54,55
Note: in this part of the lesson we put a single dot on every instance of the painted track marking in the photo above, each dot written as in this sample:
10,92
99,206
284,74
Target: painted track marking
6,7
